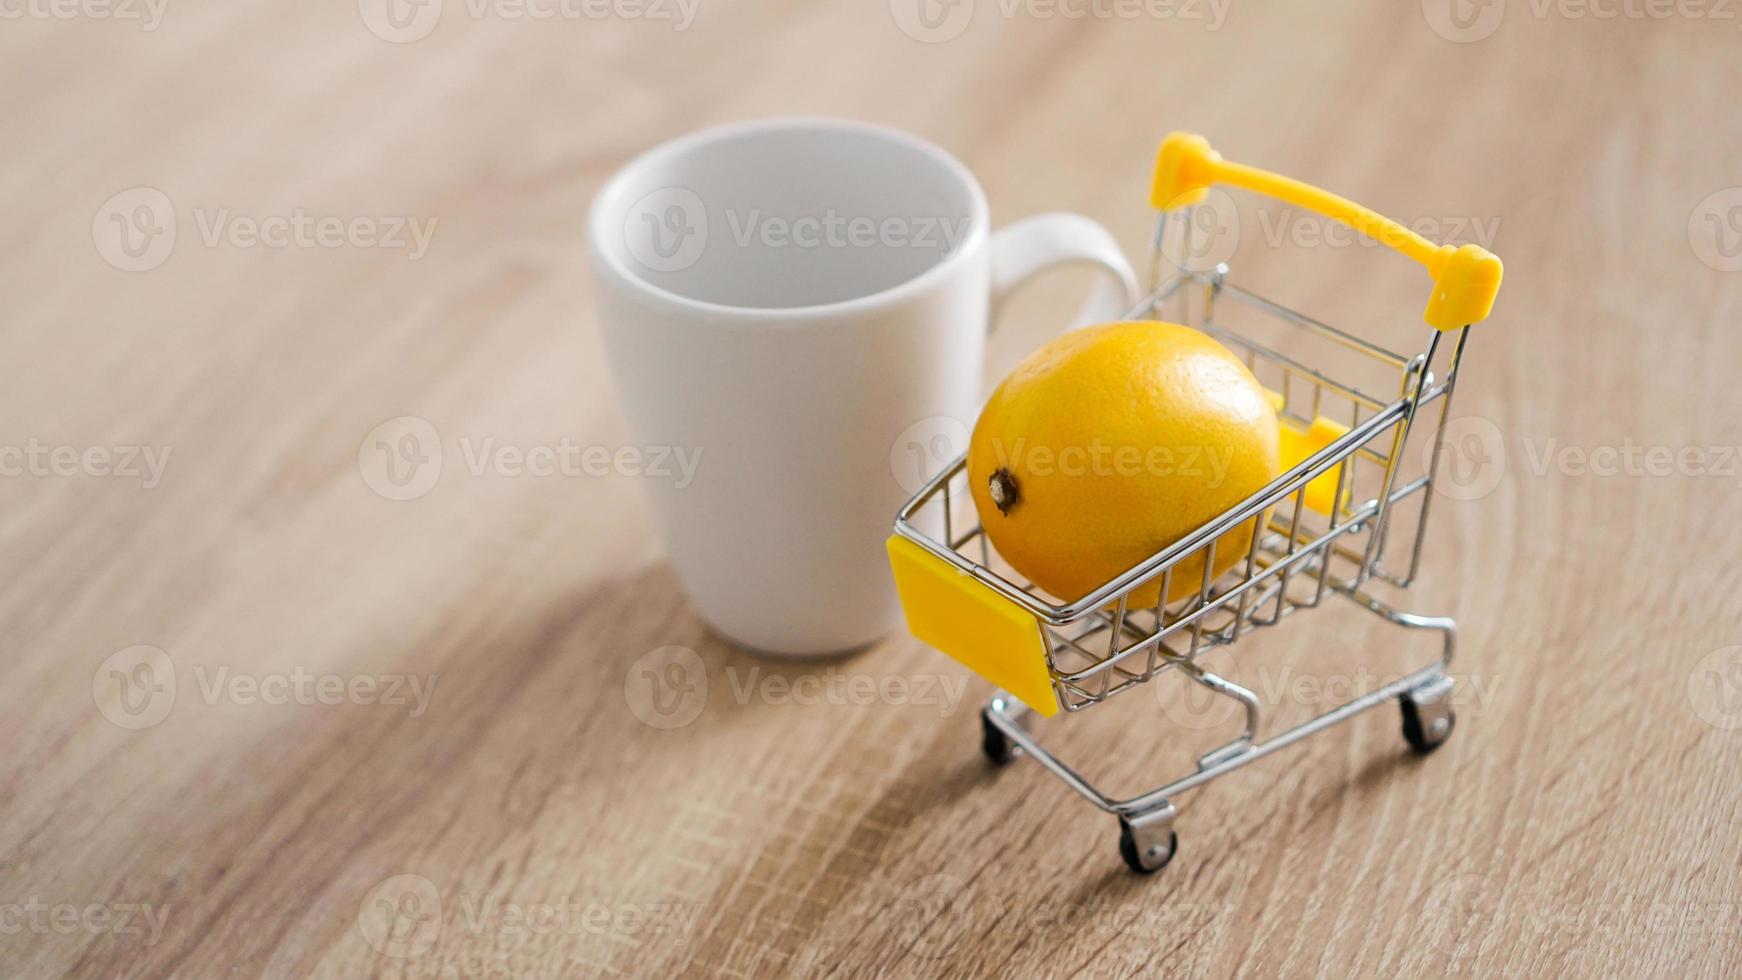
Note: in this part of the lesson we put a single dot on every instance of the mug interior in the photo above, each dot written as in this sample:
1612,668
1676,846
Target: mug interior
787,214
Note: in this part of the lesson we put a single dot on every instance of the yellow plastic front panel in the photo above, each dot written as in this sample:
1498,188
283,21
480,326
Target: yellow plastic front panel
988,633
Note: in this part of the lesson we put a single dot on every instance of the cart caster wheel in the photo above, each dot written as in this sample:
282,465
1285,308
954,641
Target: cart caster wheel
999,749
1426,726
1152,858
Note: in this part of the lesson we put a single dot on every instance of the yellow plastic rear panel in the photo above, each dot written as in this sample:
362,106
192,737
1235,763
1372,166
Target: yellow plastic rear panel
966,619
1297,444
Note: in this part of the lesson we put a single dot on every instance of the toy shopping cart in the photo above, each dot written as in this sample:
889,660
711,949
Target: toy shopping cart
1345,518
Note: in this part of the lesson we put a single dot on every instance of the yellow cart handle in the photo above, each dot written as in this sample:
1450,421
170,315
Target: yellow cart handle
1466,277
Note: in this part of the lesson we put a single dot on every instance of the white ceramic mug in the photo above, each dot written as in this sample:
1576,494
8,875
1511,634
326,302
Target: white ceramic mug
804,303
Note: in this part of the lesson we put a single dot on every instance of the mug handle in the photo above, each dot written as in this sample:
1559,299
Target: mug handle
1026,248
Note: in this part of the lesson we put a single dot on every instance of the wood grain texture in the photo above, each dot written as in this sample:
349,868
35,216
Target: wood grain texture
1582,821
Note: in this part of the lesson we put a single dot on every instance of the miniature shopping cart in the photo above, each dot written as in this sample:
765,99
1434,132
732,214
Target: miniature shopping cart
1345,518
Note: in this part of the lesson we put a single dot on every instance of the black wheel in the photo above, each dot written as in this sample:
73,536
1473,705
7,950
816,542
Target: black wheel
999,749
1424,739
1145,864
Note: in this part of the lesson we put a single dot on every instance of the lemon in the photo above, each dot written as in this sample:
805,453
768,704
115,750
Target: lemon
1113,442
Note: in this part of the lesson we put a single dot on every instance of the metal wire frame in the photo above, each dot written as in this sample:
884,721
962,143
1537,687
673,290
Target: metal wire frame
1099,646
1429,683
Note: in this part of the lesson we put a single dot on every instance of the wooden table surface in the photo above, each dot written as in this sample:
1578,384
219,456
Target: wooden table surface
262,718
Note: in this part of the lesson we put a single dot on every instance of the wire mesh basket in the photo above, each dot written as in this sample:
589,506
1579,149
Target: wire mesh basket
1360,433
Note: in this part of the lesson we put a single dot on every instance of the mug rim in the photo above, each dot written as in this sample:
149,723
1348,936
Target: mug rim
617,185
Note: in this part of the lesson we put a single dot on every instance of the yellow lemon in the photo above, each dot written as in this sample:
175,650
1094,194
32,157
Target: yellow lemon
1113,442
